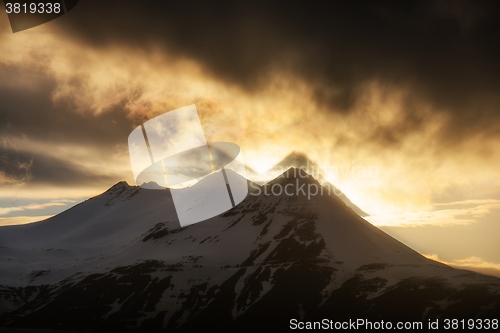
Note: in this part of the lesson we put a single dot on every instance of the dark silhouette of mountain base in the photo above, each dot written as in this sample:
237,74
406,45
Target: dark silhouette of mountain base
120,261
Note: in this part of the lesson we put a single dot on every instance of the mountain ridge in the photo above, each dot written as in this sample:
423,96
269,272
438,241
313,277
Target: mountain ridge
120,260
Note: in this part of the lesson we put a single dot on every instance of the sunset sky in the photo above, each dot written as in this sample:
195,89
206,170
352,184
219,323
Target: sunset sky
409,89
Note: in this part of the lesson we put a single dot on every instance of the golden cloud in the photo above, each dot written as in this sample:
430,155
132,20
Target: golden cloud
471,263
268,123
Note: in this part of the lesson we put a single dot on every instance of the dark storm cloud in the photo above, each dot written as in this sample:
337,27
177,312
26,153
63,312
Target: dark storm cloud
27,112
40,168
446,52
30,111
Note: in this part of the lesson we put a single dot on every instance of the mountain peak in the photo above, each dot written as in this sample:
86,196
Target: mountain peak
295,172
117,189
296,176
152,186
120,184
302,176
297,160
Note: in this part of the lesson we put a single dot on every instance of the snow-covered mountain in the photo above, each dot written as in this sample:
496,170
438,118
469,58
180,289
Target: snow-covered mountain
121,261
301,161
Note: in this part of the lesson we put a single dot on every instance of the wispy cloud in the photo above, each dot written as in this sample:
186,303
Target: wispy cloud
5,221
65,200
455,213
471,263
33,206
